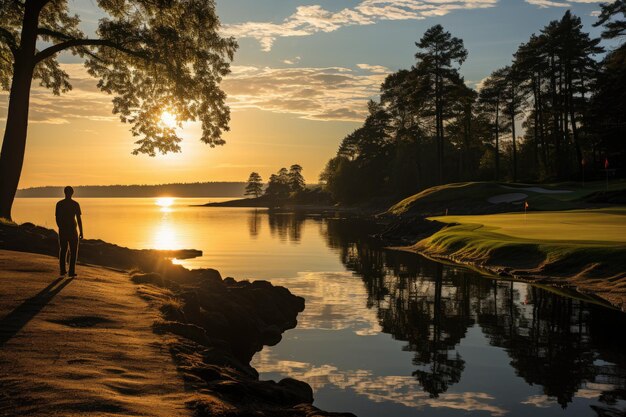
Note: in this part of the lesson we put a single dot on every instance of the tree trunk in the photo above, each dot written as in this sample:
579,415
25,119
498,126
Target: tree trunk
513,136
555,118
439,123
572,114
535,125
497,139
14,142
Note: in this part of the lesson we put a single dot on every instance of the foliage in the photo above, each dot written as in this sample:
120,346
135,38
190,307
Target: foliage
429,128
255,185
285,183
295,179
152,57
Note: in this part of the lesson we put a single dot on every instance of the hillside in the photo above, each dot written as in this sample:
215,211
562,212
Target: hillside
493,197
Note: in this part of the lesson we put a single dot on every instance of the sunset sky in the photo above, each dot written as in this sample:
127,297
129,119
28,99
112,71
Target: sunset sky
301,80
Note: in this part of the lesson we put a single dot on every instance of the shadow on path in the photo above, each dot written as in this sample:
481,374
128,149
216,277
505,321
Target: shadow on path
18,318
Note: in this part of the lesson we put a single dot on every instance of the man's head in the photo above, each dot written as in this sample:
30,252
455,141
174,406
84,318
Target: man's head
69,191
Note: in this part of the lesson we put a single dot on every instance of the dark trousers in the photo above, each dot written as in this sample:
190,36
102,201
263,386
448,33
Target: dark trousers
68,238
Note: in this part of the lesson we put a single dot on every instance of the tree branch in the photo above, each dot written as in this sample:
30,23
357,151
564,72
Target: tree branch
9,39
72,43
53,33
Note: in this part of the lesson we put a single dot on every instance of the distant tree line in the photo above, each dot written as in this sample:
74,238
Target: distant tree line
280,185
197,189
429,128
286,186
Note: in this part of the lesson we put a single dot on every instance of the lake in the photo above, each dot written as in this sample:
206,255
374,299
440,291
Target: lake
384,332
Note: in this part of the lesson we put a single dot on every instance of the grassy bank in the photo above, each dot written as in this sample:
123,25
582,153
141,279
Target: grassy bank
581,248
493,197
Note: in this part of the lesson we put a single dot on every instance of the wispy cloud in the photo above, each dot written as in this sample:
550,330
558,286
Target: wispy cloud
85,101
311,19
396,389
292,61
568,3
334,93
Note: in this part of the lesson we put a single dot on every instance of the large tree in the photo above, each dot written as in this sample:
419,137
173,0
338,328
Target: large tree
296,180
152,56
439,56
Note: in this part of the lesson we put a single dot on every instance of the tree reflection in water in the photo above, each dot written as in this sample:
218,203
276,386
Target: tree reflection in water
568,346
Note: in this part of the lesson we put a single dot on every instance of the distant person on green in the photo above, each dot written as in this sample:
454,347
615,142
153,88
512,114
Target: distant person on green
68,216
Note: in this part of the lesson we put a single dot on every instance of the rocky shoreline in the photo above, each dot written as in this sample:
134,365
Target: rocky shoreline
214,326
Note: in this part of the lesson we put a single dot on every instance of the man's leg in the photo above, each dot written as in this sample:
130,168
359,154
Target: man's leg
63,243
73,242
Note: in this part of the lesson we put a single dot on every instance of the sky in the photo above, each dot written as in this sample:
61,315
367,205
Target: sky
300,82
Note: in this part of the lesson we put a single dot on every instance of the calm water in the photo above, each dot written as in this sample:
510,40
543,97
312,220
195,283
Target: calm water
388,333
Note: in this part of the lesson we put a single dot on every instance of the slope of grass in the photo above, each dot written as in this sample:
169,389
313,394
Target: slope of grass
583,248
606,226
472,198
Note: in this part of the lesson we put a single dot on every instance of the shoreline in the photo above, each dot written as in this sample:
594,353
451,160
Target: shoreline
593,269
213,325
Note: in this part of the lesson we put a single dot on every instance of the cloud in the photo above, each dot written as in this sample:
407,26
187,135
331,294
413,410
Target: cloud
333,93
85,101
396,389
568,3
312,19
292,61
333,302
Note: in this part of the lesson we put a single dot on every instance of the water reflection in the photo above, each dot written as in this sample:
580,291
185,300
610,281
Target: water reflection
568,348
287,226
255,220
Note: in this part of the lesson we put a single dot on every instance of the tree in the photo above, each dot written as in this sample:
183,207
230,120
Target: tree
152,56
255,185
295,178
278,185
492,97
438,54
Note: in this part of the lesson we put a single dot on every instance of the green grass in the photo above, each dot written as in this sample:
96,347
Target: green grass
472,198
605,226
589,243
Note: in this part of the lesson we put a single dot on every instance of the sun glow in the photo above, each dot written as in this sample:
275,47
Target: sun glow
164,202
165,237
168,119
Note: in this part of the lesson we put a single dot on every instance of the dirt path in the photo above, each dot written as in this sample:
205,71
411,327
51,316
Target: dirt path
80,346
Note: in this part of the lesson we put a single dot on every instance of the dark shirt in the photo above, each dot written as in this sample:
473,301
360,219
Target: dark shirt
66,212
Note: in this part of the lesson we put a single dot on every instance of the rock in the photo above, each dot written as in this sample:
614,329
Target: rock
298,389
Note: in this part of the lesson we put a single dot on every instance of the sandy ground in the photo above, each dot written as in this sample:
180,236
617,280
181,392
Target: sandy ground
82,346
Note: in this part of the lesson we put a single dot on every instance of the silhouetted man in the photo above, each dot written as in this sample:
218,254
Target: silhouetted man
67,215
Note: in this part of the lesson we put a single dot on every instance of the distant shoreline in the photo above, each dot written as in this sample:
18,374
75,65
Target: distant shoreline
222,189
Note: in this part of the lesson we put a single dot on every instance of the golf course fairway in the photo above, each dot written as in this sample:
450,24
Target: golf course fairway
585,249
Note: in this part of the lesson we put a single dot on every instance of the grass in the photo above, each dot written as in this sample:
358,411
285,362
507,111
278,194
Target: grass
581,244
602,226
472,197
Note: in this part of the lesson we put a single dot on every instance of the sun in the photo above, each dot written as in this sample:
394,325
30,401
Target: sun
164,201
168,119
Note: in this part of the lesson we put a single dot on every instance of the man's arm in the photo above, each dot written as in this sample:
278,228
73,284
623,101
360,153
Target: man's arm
80,226
56,215
79,220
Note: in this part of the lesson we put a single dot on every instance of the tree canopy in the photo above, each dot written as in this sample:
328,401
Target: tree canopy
429,127
151,56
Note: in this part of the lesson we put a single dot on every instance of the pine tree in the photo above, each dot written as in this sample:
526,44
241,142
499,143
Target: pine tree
255,185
